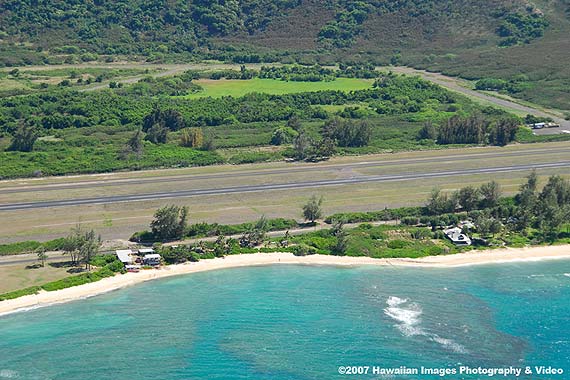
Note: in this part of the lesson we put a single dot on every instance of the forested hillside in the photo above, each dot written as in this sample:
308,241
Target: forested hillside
485,39
136,26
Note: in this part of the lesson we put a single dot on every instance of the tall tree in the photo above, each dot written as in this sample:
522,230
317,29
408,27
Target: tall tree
302,145
81,245
347,133
490,193
457,130
89,247
504,131
341,238
312,210
169,222
24,137
134,145
295,123
468,197
428,132
527,203
42,256
72,243
157,134
169,119
439,203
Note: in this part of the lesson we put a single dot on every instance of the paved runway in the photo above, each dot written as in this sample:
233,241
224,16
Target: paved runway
290,170
280,186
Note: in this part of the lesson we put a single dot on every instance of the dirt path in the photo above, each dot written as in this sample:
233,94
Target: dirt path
454,85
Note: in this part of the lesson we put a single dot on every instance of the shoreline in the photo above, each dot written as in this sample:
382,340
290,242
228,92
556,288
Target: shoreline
506,255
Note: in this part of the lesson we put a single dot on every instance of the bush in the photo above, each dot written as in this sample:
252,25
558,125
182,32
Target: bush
410,220
420,233
439,235
398,244
142,237
29,247
20,293
283,135
19,248
303,250
374,216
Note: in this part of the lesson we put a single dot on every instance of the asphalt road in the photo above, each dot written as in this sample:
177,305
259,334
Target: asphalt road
273,187
30,258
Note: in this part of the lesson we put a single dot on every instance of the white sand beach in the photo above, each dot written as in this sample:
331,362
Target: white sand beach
120,281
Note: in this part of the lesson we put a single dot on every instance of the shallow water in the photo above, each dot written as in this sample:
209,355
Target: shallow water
301,322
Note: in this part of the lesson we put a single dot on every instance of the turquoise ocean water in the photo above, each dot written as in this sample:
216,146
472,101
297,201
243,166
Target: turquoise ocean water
301,322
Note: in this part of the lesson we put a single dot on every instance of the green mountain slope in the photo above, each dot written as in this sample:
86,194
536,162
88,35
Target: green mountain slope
516,40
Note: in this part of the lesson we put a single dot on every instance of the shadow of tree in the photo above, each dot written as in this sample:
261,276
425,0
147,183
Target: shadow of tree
75,270
62,264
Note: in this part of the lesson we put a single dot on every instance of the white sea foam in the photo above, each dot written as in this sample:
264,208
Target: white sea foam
567,274
395,301
450,344
8,374
408,315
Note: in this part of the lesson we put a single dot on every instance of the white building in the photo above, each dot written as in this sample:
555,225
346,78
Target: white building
457,236
152,259
125,256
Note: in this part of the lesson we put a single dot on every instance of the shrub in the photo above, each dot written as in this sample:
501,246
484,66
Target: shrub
142,237
303,250
398,244
30,246
20,293
283,135
420,233
410,220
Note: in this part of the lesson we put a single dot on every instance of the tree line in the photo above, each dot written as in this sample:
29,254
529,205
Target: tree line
538,213
475,129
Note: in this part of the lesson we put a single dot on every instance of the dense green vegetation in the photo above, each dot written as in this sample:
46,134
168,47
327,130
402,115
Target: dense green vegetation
30,246
485,39
149,124
170,223
133,26
517,28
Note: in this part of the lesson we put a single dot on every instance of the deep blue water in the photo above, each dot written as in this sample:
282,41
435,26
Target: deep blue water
300,322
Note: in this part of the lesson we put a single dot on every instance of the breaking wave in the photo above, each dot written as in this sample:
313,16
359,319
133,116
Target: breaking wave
408,318
8,374
408,315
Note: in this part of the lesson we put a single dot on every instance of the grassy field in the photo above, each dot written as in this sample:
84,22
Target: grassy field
20,276
236,88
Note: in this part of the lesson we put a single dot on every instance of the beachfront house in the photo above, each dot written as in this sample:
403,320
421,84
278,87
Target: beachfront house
152,259
125,256
457,236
